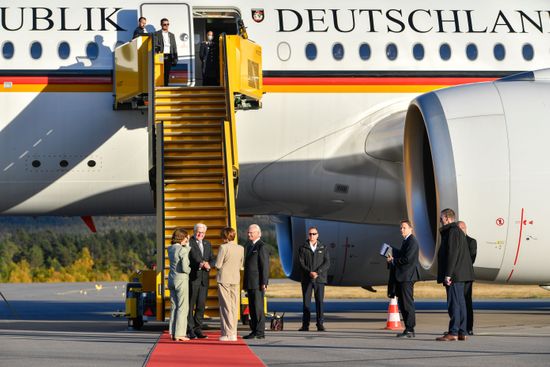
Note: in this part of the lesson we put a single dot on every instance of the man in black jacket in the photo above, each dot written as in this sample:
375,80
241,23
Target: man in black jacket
453,269
140,29
200,260
472,247
405,262
255,279
165,42
314,262
209,55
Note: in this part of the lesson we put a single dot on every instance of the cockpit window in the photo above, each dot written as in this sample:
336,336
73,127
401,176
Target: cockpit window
338,51
8,50
36,50
364,51
471,52
418,51
445,51
64,50
499,51
311,51
391,51
528,52
92,51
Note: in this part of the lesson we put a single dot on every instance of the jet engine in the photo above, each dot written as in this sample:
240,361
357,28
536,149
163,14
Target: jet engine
480,149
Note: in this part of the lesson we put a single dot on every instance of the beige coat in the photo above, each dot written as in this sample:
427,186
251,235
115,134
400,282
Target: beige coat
229,263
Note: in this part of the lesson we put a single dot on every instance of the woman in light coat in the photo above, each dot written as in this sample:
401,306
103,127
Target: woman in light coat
178,284
229,263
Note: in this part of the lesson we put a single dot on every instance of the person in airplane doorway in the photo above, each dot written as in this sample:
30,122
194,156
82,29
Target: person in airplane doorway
314,262
256,278
209,55
165,43
201,260
140,29
454,268
229,263
178,283
406,270
472,247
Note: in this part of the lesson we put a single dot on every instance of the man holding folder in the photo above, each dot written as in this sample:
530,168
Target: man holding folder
406,266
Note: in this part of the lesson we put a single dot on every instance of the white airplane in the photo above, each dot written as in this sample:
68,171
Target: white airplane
330,147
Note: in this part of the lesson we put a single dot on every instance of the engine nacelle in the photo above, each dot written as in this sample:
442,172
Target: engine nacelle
353,248
480,150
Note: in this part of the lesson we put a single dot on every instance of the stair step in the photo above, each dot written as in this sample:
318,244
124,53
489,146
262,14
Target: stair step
198,189
193,133
198,198
204,174
202,217
192,149
191,89
210,125
188,118
193,141
188,157
192,166
209,102
194,181
212,207
190,110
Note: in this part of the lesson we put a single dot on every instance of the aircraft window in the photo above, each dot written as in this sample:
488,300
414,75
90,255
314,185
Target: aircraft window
63,163
91,163
338,51
8,50
64,50
36,50
283,51
391,51
92,50
311,51
528,52
364,51
499,51
418,51
36,164
445,51
471,52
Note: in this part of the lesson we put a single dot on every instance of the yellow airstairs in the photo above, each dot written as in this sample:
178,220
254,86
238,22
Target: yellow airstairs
193,154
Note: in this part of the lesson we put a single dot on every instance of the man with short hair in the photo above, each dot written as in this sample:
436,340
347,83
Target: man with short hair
255,279
453,269
472,247
165,43
140,29
314,262
200,260
407,271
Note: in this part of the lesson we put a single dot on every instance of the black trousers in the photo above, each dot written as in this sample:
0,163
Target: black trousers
456,306
405,300
167,67
319,294
469,308
256,307
197,302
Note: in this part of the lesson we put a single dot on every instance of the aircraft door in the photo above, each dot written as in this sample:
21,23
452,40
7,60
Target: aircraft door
181,25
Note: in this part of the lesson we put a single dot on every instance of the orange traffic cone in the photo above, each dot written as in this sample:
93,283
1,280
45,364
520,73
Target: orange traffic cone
394,321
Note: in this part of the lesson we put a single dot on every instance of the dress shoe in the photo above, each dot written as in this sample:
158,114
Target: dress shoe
202,336
462,337
224,338
406,334
321,328
447,338
304,328
182,339
259,337
470,332
249,336
232,338
192,336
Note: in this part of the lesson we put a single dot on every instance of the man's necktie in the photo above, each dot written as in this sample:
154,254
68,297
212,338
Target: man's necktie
201,247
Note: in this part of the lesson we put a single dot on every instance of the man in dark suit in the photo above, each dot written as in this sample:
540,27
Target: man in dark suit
256,277
209,55
165,43
405,262
453,269
140,29
314,262
472,246
200,260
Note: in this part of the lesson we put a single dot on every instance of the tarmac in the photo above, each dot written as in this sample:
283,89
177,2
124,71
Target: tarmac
72,324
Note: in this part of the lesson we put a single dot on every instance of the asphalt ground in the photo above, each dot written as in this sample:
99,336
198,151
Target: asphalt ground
72,324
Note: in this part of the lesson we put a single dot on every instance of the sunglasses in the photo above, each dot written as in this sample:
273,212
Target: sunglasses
313,234
163,24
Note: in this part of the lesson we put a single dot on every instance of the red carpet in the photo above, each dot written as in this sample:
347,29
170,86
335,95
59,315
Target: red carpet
202,352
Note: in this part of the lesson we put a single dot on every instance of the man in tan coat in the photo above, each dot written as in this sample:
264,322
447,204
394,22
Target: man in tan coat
229,263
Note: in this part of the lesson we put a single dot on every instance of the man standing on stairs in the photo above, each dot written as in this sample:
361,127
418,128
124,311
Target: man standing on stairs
200,259
209,55
165,43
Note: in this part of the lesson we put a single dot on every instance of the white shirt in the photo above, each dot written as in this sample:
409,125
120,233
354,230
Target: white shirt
166,39
313,247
